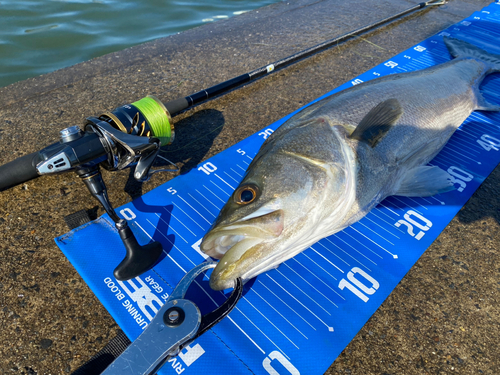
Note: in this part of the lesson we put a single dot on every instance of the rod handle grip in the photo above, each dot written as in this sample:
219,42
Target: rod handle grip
19,170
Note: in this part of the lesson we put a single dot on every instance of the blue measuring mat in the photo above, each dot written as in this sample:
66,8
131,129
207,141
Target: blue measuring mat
297,318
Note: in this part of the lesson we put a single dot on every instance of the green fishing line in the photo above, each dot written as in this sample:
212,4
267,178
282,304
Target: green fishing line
157,117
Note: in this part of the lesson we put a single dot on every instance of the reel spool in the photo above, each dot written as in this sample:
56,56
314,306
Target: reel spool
146,117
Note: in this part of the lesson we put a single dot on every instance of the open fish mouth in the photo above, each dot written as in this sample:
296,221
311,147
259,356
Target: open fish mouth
222,238
218,246
230,243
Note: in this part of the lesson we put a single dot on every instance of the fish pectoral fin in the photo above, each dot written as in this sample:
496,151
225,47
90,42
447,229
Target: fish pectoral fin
375,125
424,181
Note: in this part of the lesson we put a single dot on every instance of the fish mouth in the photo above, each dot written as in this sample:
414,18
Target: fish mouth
234,264
218,246
234,243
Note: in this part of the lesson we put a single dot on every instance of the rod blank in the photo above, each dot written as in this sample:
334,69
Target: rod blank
179,105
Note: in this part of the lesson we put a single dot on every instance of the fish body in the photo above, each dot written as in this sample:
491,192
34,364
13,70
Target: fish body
331,163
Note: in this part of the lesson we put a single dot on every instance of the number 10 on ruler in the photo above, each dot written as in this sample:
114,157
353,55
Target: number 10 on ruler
358,287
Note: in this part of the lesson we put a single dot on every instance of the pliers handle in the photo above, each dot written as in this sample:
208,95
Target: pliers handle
176,324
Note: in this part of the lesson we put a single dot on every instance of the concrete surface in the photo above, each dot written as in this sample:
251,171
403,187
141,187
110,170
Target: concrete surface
442,318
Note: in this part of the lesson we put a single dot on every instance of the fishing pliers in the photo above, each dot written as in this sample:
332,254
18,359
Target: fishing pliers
176,324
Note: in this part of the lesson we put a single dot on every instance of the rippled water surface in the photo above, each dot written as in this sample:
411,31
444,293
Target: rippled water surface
40,36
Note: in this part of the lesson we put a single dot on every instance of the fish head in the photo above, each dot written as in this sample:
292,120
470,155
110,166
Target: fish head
272,210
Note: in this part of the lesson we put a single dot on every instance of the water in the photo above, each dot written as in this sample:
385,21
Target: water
38,37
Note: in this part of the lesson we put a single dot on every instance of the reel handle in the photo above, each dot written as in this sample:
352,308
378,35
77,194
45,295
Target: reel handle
19,170
138,259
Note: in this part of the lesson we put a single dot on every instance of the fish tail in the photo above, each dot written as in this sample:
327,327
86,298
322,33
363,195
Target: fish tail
461,48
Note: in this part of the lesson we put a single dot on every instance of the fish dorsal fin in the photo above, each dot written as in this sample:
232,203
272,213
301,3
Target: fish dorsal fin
377,122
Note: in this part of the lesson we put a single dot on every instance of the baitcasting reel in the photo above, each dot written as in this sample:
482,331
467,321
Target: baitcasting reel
130,135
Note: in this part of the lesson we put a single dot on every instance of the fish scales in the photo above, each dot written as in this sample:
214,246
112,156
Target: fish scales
451,100
330,164
430,118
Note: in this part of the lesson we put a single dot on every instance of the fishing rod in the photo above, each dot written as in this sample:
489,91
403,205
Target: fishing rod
131,136
181,104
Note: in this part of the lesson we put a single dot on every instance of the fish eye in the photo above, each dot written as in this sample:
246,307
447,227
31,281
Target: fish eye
245,194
